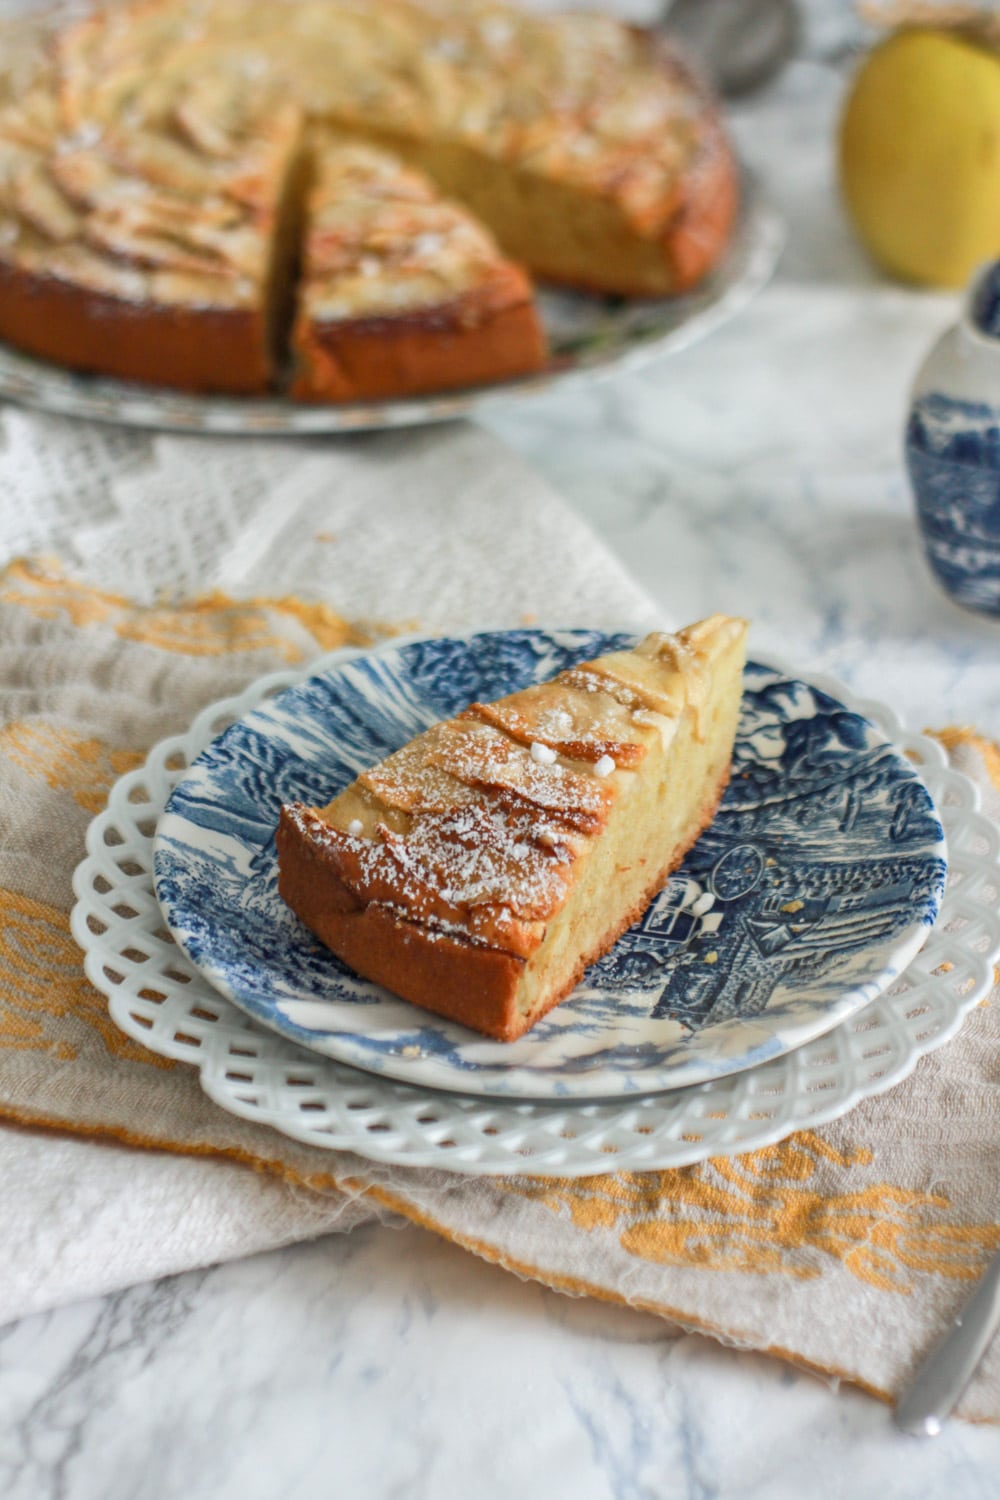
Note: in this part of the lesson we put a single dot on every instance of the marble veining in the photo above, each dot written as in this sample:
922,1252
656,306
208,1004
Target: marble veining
782,496
386,1363
760,473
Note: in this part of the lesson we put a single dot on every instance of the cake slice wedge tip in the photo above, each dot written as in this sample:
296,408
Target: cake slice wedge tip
478,870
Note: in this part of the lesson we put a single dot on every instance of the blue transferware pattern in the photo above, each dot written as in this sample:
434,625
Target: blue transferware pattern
953,450
953,455
810,892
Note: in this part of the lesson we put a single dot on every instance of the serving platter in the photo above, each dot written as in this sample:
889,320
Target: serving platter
816,883
157,997
590,336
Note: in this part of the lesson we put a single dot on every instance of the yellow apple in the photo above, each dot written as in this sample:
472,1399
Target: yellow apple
920,155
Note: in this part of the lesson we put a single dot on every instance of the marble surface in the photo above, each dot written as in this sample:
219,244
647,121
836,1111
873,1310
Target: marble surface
759,473
386,1363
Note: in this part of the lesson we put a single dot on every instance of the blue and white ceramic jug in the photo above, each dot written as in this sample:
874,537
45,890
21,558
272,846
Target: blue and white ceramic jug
953,450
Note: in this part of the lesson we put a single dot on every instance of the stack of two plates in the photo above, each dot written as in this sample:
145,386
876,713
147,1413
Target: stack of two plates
806,954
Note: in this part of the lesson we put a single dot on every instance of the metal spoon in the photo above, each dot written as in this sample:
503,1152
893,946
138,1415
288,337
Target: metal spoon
739,43
948,1368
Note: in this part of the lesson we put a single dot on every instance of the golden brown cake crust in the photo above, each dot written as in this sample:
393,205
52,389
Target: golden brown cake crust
221,350
467,983
440,972
490,334
708,192
709,200
689,229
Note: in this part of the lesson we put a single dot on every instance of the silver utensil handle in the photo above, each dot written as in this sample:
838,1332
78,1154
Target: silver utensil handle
740,44
948,1368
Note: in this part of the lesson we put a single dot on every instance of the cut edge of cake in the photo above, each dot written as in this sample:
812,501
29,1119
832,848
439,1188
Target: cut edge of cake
489,331
401,291
599,242
481,869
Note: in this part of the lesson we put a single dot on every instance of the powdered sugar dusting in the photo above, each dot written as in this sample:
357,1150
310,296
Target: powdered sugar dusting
478,854
410,781
479,756
459,761
480,822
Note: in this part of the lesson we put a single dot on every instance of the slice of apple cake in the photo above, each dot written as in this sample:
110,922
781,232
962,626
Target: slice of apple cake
482,867
402,291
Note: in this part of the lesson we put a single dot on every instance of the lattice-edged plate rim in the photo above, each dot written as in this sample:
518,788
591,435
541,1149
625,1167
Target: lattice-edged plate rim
158,998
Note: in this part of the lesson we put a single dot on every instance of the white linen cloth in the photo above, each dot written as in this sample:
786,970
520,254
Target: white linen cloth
444,529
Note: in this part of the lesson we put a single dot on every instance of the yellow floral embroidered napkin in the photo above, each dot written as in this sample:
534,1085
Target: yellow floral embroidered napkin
445,528
843,1249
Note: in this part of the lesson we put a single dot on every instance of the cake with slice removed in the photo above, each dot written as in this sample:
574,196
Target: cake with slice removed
402,291
482,867
152,166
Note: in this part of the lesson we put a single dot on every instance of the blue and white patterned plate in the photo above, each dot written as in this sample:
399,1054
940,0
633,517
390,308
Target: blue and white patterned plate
818,880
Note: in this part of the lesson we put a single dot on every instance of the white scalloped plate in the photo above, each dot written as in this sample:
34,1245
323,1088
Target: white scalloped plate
822,870
158,998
